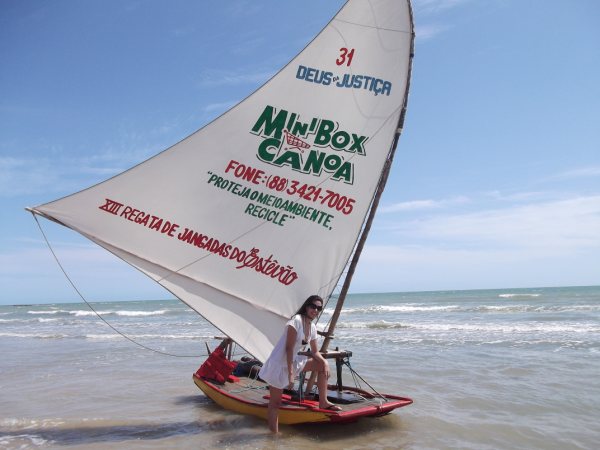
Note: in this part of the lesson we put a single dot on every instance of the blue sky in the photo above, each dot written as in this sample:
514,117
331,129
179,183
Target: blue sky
496,183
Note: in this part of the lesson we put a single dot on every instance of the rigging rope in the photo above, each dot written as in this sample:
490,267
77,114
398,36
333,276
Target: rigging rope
355,374
96,312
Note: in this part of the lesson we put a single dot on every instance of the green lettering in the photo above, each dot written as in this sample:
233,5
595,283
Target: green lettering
267,126
324,132
291,159
265,147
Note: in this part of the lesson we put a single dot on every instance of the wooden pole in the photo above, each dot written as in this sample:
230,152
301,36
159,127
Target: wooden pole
355,258
374,204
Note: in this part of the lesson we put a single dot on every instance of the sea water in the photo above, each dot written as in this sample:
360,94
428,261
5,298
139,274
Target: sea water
490,369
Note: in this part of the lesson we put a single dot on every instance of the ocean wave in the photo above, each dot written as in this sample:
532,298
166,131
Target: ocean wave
102,336
26,439
159,312
380,324
125,313
22,441
399,308
536,308
508,308
518,295
84,313
526,328
34,320
149,336
579,328
13,422
34,335
87,312
106,336
502,308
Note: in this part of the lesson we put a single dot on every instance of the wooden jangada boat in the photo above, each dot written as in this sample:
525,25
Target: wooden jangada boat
247,394
242,224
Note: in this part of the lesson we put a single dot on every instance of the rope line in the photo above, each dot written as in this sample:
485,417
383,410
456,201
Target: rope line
355,373
96,312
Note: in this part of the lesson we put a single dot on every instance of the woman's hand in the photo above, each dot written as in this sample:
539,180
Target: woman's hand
290,379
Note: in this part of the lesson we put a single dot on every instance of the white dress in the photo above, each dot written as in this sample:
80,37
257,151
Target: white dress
275,370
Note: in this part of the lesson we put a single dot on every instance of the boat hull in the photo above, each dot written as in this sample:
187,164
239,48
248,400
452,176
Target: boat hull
234,396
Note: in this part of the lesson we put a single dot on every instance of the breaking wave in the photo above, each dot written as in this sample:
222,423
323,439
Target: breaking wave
528,327
519,295
504,308
84,313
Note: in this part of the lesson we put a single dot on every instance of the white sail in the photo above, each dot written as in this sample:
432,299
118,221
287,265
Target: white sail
248,216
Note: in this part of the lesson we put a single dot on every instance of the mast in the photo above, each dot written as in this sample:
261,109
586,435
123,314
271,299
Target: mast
374,204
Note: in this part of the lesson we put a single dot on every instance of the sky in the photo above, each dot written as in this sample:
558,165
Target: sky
496,181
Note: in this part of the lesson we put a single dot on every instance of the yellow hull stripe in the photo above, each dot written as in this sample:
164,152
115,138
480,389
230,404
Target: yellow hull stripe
287,416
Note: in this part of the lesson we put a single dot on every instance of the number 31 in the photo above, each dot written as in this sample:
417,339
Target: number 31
345,55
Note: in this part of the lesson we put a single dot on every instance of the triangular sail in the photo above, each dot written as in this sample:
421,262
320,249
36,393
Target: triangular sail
248,216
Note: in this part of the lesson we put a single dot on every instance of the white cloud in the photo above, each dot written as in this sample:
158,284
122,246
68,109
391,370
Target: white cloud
96,273
22,260
428,8
584,172
214,78
429,267
562,225
27,176
409,206
22,176
416,205
425,32
64,173
551,243
436,6
518,196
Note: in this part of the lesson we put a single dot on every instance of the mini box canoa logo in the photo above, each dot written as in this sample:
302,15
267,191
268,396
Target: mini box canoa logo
287,142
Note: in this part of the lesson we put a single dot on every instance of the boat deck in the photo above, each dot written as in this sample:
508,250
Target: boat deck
256,392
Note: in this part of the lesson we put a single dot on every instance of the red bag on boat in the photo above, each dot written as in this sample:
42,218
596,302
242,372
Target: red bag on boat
216,367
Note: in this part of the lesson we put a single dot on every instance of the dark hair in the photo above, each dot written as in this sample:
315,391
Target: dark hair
309,301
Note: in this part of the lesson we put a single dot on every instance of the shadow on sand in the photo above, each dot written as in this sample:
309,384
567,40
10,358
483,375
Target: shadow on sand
316,432
226,427
88,434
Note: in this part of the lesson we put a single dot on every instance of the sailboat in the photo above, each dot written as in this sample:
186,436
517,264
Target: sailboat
269,203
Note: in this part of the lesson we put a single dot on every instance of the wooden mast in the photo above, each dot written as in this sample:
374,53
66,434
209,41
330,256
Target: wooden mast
374,204
358,251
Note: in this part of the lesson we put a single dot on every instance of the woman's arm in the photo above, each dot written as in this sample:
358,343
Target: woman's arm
290,343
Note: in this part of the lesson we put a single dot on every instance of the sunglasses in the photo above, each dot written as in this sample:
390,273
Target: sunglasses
313,306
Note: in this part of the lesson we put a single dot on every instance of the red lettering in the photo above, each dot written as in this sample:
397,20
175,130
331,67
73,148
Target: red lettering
169,228
111,206
156,223
133,215
126,211
244,172
232,165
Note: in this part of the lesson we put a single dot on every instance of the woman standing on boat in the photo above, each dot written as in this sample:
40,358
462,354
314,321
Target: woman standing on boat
284,364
